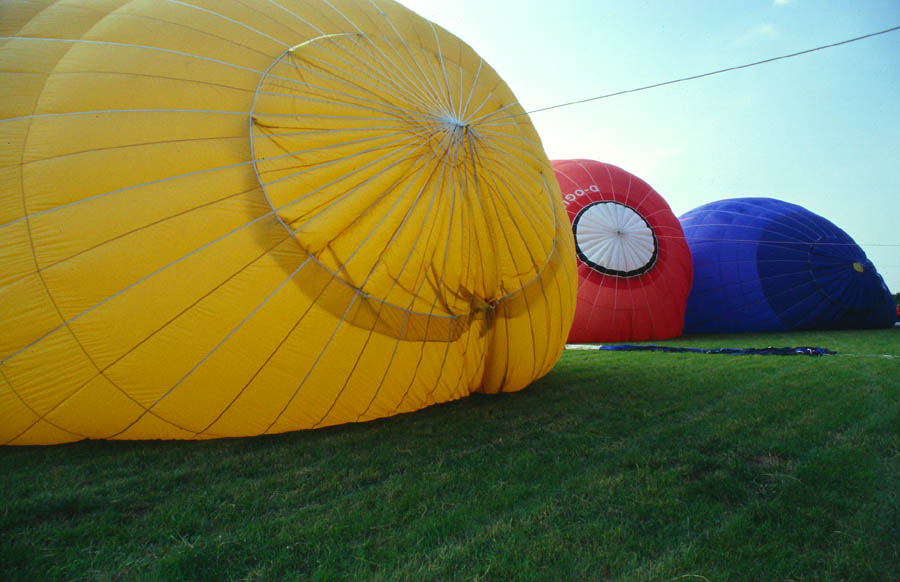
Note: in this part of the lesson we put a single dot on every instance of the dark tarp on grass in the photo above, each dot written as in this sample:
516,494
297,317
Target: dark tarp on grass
768,351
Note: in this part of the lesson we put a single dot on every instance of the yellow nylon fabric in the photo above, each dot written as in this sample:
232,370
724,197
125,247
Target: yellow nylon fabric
237,218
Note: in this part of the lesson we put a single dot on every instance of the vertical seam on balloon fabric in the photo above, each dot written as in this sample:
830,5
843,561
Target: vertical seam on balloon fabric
268,358
140,343
444,177
222,342
369,336
33,411
25,139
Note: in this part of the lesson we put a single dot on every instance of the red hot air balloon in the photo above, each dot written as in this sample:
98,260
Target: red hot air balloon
634,266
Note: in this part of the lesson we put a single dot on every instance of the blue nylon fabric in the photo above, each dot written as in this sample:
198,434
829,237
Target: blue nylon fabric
762,264
727,294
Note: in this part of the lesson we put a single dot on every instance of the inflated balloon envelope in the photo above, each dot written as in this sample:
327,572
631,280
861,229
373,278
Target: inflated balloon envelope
228,219
762,264
634,266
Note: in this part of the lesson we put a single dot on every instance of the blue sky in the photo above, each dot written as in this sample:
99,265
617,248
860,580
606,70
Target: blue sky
821,130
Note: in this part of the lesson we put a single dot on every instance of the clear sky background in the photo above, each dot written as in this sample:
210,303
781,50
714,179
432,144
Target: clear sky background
820,130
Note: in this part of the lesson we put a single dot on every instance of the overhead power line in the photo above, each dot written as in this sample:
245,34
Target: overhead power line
692,77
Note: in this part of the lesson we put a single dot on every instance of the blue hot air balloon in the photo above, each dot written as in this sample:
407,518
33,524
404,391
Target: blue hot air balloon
762,264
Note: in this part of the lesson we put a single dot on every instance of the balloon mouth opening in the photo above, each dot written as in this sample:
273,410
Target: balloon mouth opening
614,239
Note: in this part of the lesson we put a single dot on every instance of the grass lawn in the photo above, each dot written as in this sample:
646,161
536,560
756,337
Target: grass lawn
616,465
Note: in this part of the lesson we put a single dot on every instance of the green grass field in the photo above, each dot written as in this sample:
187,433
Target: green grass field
615,466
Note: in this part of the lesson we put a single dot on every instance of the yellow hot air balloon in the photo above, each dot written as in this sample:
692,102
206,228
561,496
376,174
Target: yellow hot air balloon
237,218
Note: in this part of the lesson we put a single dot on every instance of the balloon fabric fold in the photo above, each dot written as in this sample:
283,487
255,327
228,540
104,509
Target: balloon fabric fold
236,218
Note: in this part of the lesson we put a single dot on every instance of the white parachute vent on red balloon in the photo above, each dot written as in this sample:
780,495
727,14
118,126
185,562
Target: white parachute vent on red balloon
614,239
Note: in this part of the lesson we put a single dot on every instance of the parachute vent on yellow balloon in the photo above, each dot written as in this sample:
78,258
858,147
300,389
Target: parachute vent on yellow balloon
237,218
